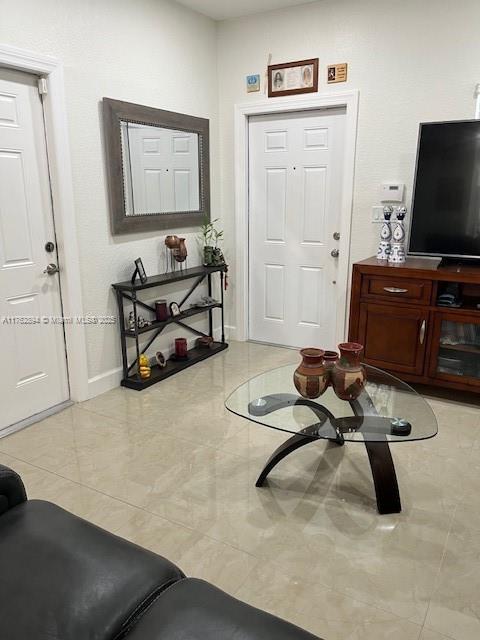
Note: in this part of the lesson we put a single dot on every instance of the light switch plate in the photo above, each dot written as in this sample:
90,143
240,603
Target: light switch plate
377,214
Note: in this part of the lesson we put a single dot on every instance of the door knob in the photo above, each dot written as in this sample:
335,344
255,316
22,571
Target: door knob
334,253
51,269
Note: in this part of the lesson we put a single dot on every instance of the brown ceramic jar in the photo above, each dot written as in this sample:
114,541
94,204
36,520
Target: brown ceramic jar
329,359
311,377
349,375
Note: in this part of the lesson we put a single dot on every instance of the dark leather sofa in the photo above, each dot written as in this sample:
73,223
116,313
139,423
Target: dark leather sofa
62,578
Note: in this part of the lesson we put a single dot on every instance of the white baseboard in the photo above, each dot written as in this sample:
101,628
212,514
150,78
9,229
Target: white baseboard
104,382
232,333
109,380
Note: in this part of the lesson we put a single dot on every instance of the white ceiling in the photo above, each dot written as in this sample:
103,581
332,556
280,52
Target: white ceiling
223,9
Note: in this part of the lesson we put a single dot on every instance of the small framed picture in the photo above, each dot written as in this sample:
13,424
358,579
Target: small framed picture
337,73
139,271
174,309
291,78
253,83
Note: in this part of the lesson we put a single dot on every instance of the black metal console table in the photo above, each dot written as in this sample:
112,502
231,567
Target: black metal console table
128,291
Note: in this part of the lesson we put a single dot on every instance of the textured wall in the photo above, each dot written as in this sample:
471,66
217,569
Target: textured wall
152,52
411,61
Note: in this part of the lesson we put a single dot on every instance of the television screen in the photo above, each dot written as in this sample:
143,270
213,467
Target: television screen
446,197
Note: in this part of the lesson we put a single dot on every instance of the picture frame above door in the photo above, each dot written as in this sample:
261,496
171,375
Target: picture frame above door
292,78
147,149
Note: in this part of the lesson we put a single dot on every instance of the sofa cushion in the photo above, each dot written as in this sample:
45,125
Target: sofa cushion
62,578
195,610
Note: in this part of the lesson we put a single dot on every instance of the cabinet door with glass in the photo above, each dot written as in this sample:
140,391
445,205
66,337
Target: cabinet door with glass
456,348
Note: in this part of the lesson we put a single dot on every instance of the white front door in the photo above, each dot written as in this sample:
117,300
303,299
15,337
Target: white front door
33,375
295,190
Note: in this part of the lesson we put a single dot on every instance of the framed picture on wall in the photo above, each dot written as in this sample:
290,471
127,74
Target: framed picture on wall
291,78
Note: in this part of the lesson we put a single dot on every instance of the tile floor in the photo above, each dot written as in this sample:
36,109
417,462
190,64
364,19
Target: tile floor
172,470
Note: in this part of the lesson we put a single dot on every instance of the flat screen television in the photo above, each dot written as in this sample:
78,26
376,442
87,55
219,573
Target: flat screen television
446,196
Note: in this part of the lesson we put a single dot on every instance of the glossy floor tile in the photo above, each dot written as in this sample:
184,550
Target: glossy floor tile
172,470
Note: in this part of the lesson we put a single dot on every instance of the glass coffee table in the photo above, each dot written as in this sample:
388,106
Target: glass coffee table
388,411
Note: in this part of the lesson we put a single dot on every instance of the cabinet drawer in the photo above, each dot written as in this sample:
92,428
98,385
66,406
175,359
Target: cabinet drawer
396,289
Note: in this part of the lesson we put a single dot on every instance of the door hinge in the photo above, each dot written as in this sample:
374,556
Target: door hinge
42,86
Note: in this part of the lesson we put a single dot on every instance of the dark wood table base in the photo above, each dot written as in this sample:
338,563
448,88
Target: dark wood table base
380,458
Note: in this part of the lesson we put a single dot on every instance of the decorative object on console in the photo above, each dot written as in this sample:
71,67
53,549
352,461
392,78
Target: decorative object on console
212,254
385,234
161,310
397,251
144,369
290,78
131,321
180,253
311,377
174,309
349,375
181,349
205,301
142,322
204,342
172,243
160,359
329,360
139,271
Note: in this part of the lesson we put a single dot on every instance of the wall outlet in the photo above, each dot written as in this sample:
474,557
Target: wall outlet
377,214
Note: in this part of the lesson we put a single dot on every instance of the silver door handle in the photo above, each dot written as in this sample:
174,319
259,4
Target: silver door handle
51,269
334,253
395,290
423,329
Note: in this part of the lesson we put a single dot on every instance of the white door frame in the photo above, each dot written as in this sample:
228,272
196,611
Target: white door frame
347,99
63,206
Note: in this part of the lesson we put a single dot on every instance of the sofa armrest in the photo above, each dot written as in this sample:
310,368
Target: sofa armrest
12,489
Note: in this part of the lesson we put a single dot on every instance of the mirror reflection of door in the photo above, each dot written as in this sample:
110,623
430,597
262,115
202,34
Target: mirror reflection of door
161,169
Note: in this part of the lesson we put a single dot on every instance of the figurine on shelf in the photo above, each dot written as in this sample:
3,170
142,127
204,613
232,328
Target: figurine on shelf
144,368
131,321
397,251
385,235
142,322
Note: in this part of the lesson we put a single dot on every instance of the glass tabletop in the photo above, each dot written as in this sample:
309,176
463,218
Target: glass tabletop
386,410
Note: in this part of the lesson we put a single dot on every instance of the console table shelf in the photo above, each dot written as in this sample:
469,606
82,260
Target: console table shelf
128,292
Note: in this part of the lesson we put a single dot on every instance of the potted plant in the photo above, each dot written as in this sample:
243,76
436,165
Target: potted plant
212,255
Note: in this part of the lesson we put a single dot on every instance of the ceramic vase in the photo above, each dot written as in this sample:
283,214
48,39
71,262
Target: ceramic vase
329,360
349,375
384,247
311,376
180,253
397,251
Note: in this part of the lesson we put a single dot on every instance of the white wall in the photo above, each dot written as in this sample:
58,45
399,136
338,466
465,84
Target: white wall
411,61
152,52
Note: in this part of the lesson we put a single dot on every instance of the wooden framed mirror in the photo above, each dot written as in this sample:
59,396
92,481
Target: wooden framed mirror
158,167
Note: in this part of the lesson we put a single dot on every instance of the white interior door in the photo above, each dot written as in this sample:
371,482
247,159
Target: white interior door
295,189
33,374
